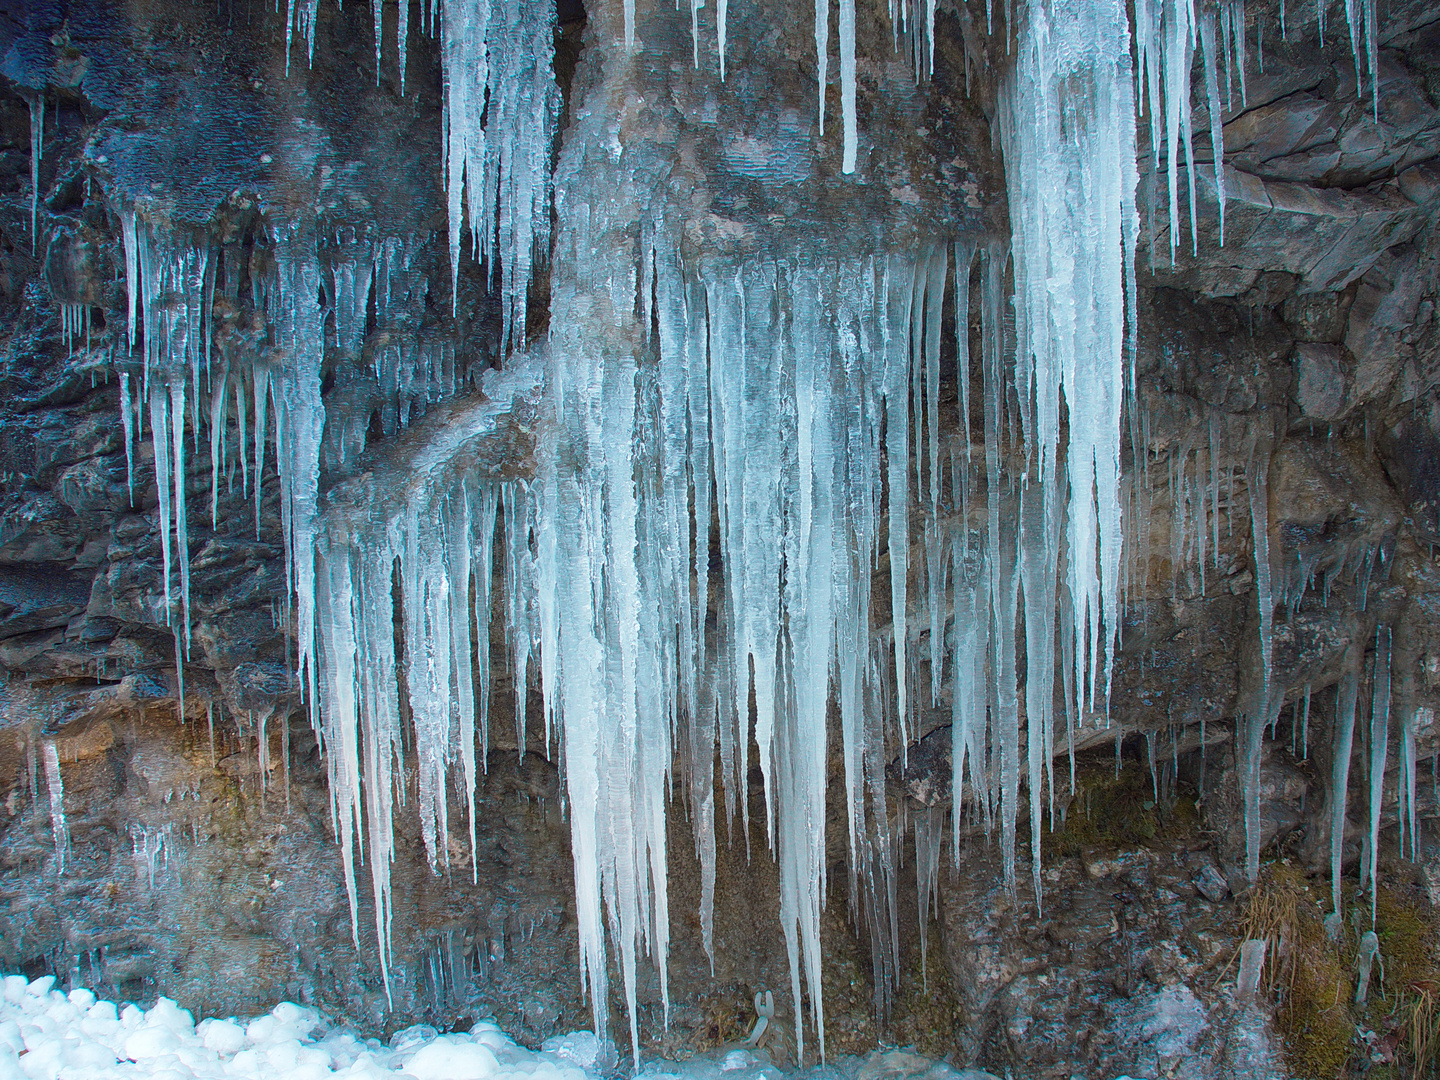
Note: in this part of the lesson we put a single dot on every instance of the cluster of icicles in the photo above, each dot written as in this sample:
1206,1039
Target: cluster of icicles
805,394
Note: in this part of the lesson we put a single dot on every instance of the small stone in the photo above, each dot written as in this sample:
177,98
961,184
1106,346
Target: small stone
1211,884
1099,865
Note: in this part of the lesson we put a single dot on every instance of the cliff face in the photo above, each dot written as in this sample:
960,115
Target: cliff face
1283,401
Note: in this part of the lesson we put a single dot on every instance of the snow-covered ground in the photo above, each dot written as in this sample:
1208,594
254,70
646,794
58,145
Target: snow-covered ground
46,1034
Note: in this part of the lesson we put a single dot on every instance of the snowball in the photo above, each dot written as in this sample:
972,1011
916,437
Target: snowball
297,1020
151,1042
168,1014
224,1037
448,1057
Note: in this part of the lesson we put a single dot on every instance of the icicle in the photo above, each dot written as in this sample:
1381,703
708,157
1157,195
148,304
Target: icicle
847,83
1217,133
929,831
127,422
1406,815
58,828
1379,746
1237,16
822,53
721,11
1262,709
1345,699
402,34
37,149
377,12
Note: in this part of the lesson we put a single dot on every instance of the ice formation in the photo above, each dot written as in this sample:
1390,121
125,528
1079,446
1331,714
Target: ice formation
797,531
1347,693
56,788
784,412
1075,319
501,108
1379,745
37,149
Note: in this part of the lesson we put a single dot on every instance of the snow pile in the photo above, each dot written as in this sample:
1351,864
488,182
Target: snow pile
48,1035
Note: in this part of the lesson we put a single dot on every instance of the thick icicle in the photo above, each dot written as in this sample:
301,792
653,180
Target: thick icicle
56,789
37,148
848,118
822,54
1262,710
1379,747
1217,126
1409,820
1345,699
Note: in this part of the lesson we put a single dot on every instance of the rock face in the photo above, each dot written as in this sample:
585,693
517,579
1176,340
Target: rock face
1285,389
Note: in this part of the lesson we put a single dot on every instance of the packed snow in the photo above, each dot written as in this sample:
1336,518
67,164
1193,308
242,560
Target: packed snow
46,1034
49,1035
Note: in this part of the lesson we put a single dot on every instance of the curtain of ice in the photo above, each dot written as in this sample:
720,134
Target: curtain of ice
1067,124
169,276
363,554
771,381
501,109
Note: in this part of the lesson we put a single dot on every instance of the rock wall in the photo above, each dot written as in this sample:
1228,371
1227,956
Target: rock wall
1292,367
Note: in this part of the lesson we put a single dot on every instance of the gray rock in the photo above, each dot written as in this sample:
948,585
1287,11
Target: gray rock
1211,884
1319,380
1380,318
